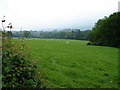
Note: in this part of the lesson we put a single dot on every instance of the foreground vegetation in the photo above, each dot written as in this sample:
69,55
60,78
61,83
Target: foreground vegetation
73,64
18,68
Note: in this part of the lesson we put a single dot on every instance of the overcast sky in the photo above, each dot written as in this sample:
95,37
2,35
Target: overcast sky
55,14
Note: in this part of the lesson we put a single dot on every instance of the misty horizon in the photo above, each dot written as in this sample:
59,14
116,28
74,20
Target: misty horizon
52,15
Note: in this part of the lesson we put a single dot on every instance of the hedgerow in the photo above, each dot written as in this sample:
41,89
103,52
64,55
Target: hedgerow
18,67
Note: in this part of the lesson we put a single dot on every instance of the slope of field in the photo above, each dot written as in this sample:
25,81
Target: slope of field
73,64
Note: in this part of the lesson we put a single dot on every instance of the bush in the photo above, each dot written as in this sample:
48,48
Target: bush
89,43
17,69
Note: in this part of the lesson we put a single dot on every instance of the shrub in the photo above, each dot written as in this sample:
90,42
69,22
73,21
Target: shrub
17,69
89,43
9,34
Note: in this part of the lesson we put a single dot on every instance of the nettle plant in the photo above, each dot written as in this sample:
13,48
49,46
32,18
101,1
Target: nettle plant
18,67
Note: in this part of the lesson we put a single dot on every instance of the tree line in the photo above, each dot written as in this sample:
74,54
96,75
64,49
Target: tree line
76,34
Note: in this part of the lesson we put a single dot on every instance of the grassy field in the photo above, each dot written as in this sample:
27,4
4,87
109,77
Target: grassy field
73,64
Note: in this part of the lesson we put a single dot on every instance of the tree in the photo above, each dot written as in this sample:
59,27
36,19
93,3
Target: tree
106,31
78,35
26,34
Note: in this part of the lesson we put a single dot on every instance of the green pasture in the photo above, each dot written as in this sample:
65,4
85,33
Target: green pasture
73,64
